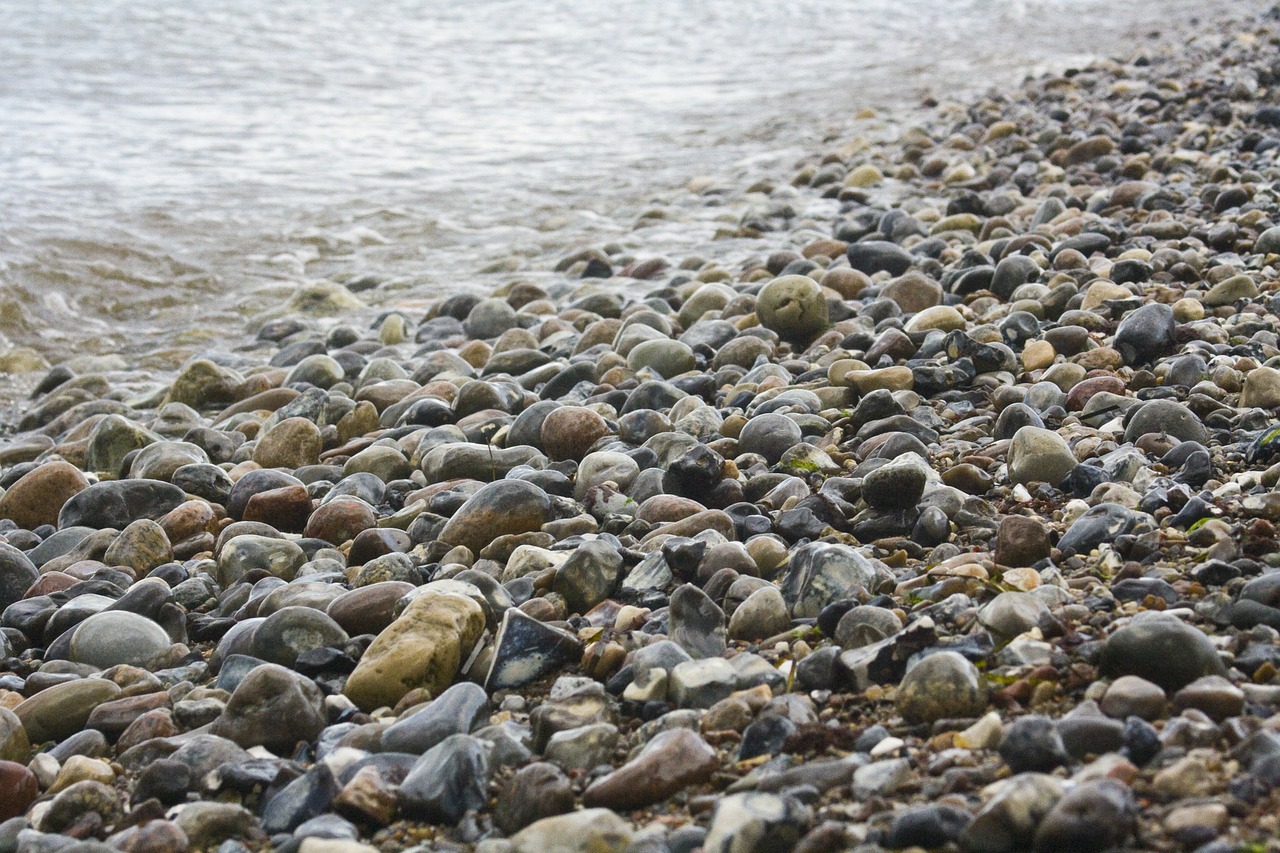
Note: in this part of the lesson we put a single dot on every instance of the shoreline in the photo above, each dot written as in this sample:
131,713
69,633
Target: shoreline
950,520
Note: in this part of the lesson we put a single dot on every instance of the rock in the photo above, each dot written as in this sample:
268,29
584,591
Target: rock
1145,334
1231,290
1131,696
1163,650
941,317
39,495
701,683
873,256
14,745
670,762
589,576
1008,822
117,503
459,710
368,609
930,827
569,431
697,623
913,292
794,307
208,825
585,831
942,685
756,823
669,358
1032,745
159,461
60,711
583,747
1212,694
246,553
451,779
78,800
267,695
507,507
291,443
340,520
537,791
141,546
290,631
1021,541
1093,817
1039,456
424,647
897,485
113,438
770,435
18,789
1102,523
762,615
526,650
1261,390
17,574
202,383
820,573
116,637
1012,613
1166,417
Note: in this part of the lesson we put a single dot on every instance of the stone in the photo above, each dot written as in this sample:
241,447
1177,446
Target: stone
697,623
18,789
115,637
117,503
1145,334
589,576
245,553
1162,649
503,508
1131,696
1165,417
209,824
14,744
425,647
1212,694
942,685
141,546
39,495
1101,523
769,435
873,256
668,358
583,747
159,461
897,485
1039,455
1012,613
1230,291
940,317
201,382
585,831
1007,822
113,438
537,791
761,615
340,520
1094,816
1032,744
930,827
1021,541
670,762
1261,390
17,574
569,431
291,443
451,779
71,805
60,711
701,683
266,696
290,631
526,650
756,823
794,307
821,573
459,710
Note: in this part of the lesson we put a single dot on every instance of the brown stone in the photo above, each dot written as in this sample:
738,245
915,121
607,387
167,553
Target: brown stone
114,718
1021,541
141,546
569,431
369,609
340,520
712,519
660,508
376,541
37,497
49,583
189,519
286,509
367,798
670,762
152,724
291,444
18,789
1079,395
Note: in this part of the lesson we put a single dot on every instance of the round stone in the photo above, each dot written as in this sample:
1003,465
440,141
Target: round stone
794,307
770,435
291,444
37,497
1163,650
116,637
569,431
1039,456
897,485
942,685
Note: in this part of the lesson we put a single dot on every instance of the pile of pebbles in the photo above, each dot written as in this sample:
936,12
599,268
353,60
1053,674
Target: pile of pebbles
948,522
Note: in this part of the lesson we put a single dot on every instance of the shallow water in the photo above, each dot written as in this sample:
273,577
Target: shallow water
170,171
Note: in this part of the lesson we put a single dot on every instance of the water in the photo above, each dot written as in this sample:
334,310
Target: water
171,171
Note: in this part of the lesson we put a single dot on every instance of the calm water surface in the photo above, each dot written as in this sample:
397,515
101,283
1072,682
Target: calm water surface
169,171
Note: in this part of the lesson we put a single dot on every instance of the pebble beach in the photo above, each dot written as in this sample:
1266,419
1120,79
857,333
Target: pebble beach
932,508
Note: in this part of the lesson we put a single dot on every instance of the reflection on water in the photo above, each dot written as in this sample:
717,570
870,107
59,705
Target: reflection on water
168,171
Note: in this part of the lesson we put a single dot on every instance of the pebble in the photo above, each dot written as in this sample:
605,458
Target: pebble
941,685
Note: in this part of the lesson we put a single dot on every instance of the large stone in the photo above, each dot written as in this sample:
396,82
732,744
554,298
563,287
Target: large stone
1162,649
141,546
451,779
292,443
1168,417
1039,455
458,710
794,307
1145,334
115,504
507,507
821,573
60,711
756,823
113,438
586,831
944,684
267,697
17,574
424,647
38,496
526,650
116,637
243,554
670,762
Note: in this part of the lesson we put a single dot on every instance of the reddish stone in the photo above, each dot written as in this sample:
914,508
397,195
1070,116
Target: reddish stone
152,724
286,509
369,609
1080,394
49,583
340,520
375,542
18,789
114,718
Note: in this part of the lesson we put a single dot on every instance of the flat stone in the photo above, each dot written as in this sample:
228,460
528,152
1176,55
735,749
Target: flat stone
39,495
